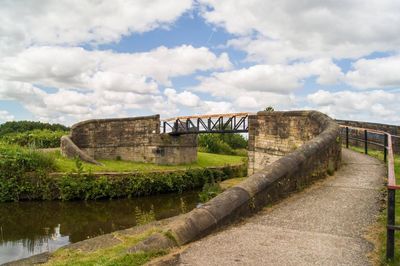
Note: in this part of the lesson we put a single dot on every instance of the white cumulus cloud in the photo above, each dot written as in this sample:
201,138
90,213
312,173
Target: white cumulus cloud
277,78
280,31
100,83
376,105
184,98
375,73
75,67
259,86
5,116
72,22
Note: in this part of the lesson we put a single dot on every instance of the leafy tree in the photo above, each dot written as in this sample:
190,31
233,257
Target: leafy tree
270,109
36,138
235,141
222,143
24,126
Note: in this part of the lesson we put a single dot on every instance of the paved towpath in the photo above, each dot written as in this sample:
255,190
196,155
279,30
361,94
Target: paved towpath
323,225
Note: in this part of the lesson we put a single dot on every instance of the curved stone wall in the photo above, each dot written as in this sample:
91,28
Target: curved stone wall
310,149
275,134
134,139
317,153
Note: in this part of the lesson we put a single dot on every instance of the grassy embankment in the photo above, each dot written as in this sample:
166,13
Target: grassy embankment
204,160
25,175
117,255
382,220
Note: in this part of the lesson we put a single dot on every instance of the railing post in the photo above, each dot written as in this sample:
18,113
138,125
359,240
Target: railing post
390,223
164,125
347,137
366,141
176,125
385,144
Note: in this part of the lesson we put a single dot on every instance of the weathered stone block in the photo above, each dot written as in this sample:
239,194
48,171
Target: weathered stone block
272,135
133,139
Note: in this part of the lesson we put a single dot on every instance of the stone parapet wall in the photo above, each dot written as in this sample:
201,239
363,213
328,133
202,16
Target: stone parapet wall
275,134
133,139
318,153
392,129
314,159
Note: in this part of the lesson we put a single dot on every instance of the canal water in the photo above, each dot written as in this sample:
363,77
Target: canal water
28,228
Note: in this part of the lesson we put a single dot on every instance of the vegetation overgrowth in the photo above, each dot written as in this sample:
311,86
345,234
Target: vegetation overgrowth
16,160
215,187
38,138
210,190
25,175
17,166
231,144
32,134
24,126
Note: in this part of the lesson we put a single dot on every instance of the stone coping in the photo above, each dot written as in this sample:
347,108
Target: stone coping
113,119
260,188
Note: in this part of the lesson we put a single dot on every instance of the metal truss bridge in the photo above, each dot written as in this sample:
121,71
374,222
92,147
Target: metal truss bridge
215,123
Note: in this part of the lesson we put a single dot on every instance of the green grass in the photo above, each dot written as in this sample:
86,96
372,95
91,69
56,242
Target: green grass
204,160
115,255
228,183
382,236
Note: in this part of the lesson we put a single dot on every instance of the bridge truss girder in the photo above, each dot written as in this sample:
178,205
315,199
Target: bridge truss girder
235,123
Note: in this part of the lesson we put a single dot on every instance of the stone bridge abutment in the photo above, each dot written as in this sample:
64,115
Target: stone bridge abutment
272,135
133,139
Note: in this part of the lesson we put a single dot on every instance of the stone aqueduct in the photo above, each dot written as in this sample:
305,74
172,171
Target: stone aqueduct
287,151
134,139
271,136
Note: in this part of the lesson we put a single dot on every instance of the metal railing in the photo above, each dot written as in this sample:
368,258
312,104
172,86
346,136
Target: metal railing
388,156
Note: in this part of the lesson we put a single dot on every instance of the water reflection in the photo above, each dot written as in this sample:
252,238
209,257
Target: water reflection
28,228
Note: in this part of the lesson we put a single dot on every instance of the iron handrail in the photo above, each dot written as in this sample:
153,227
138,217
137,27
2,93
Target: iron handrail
391,174
391,182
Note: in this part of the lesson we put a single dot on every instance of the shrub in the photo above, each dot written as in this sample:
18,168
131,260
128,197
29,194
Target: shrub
24,175
209,191
235,141
24,126
23,172
86,186
37,138
222,143
16,160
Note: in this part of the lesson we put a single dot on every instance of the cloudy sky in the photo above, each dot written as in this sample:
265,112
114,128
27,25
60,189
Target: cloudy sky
65,61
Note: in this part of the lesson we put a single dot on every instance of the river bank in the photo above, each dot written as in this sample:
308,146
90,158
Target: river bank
33,227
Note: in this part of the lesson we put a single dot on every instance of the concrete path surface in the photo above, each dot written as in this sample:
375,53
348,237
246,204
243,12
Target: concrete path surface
322,225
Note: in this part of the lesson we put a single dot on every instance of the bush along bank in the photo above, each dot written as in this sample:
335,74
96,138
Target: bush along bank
18,166
36,138
88,186
230,144
13,127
